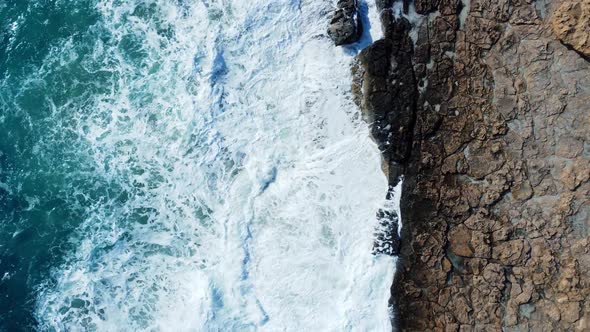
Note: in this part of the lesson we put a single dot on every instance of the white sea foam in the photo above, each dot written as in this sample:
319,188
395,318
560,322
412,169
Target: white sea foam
372,23
251,184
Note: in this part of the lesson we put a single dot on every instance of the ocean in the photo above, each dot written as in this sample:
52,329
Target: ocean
185,165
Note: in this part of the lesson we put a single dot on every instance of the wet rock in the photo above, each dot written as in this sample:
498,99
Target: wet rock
345,26
486,118
383,4
385,89
386,238
388,90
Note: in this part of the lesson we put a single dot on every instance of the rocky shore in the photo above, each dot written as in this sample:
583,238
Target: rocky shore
483,107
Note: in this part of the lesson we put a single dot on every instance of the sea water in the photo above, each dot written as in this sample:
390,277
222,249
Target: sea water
184,165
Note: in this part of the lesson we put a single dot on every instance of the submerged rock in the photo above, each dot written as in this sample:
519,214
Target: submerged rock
345,27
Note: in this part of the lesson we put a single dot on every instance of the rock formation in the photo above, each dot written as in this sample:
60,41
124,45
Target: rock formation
571,24
345,25
386,90
484,107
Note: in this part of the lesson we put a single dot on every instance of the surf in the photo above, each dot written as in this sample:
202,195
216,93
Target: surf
238,183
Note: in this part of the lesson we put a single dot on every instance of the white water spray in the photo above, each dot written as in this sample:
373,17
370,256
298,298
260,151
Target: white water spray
250,182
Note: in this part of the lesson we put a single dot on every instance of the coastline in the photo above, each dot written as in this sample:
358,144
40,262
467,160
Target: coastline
481,107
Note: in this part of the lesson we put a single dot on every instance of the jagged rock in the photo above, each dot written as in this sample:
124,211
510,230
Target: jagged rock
571,24
345,27
386,238
384,88
487,121
388,93
383,4
425,6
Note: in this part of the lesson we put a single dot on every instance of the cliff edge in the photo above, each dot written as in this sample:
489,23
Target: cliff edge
483,107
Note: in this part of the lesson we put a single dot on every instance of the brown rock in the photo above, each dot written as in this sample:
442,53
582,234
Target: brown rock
512,252
490,116
522,191
571,24
570,311
460,240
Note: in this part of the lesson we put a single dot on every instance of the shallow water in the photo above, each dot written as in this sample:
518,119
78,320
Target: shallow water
184,166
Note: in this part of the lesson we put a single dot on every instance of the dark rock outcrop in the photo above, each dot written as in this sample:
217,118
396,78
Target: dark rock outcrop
486,117
386,90
345,26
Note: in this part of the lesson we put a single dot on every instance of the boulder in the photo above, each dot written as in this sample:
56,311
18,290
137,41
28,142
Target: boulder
345,26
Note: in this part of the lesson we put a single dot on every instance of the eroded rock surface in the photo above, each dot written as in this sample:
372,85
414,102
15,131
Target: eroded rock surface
486,113
571,24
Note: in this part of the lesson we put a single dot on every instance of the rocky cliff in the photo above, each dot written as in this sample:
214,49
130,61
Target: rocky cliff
483,107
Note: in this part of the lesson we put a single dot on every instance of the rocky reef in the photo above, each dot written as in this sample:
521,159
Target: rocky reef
483,107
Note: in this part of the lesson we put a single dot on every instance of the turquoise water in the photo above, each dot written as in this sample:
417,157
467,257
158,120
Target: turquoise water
184,165
42,163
